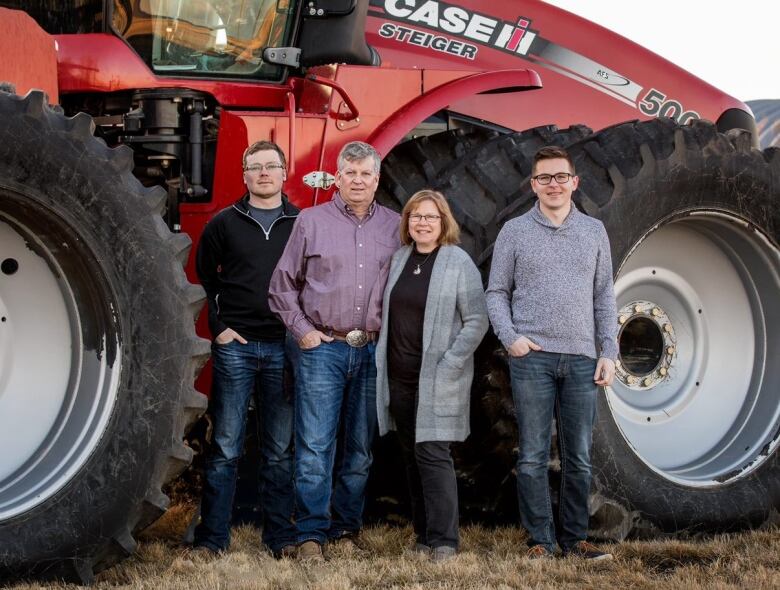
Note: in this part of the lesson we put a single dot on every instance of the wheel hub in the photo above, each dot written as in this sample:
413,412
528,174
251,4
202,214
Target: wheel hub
647,345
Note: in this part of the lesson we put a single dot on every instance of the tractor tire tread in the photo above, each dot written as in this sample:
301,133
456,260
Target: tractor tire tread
115,541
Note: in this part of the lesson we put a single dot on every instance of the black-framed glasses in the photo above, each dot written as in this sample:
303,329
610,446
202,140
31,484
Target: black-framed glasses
560,178
260,167
417,218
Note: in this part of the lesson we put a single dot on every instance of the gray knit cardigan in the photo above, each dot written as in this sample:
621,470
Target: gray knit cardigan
454,323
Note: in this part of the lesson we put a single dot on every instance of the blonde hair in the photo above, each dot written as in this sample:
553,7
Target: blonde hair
450,231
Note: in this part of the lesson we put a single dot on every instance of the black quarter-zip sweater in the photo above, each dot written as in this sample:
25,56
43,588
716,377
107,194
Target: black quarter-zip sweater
235,259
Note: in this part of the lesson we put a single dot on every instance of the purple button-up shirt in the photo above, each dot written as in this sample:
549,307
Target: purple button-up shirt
333,271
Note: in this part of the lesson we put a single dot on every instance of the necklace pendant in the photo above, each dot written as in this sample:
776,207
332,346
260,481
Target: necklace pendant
416,271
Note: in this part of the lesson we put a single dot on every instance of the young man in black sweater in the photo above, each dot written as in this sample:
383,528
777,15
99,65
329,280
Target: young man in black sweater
236,255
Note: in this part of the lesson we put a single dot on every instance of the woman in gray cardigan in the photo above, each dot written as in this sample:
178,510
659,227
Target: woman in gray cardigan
433,318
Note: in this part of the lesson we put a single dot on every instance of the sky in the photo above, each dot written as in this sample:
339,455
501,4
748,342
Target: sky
737,51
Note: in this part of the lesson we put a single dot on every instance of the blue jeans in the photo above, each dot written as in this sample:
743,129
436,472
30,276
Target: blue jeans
335,401
238,368
543,384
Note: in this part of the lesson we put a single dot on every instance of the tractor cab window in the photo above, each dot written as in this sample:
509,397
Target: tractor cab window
205,37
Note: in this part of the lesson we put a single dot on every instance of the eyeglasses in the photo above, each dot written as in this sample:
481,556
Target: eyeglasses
260,167
417,218
560,178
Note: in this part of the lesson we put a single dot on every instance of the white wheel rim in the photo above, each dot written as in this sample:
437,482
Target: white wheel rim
56,390
713,416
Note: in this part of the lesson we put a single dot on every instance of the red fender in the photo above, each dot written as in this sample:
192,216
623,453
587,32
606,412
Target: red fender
30,55
396,126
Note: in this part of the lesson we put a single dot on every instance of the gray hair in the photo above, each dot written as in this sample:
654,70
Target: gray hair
358,150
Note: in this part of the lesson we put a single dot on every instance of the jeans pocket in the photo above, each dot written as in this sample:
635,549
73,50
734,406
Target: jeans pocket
221,346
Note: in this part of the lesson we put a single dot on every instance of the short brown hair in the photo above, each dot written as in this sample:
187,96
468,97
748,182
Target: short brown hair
450,231
260,146
552,152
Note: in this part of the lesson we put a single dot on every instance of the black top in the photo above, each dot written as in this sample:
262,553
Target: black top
406,315
235,259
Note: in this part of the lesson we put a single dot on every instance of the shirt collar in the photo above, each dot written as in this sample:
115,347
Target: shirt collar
288,209
347,210
542,219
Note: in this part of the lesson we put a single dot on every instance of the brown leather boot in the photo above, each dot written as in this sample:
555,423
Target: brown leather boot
310,551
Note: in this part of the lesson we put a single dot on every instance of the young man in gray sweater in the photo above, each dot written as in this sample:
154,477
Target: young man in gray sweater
552,304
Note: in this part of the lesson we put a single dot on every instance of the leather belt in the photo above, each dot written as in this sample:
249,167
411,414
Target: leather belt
355,338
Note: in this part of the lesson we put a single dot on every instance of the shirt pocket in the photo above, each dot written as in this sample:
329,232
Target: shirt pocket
384,248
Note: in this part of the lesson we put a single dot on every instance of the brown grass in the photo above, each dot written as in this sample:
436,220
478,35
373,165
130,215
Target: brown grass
490,558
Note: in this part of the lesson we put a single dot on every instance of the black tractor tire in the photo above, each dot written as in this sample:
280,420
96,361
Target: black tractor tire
85,218
416,163
493,176
488,167
640,178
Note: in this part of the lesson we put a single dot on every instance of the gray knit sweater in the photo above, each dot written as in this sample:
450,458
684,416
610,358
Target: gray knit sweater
554,285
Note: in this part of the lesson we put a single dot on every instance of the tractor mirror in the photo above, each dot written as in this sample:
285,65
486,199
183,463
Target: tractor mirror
337,35
325,8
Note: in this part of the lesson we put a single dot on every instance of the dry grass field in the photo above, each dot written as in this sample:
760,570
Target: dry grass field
489,559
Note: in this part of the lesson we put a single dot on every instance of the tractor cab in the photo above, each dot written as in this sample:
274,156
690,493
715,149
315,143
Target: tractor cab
202,38
230,39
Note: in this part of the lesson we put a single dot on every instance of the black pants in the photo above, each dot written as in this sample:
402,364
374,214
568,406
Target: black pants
429,472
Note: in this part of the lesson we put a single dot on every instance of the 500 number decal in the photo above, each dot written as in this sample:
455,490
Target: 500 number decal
655,104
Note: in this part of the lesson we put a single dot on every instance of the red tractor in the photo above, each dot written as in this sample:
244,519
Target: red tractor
102,195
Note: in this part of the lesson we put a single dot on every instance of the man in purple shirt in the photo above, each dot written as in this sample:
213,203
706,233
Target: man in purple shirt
326,289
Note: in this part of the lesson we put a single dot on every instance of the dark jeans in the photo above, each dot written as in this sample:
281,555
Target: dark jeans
335,399
430,473
238,368
544,383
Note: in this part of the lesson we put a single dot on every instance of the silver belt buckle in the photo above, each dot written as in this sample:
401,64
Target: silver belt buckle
357,338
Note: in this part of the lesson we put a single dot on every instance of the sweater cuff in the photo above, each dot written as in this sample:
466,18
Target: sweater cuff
609,351
509,339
